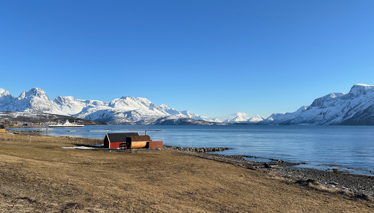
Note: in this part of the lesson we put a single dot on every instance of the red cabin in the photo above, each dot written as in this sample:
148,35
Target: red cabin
117,140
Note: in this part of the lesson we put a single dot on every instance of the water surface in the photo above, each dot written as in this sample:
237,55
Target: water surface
322,147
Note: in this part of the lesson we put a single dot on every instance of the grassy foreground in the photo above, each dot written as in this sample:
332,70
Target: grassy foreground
40,176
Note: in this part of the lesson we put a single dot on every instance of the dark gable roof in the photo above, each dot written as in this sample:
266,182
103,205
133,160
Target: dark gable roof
2,127
120,137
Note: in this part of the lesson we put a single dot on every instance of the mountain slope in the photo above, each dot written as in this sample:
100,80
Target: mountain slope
5,98
353,108
33,100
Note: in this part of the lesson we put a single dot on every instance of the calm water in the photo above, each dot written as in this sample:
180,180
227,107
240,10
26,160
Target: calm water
322,147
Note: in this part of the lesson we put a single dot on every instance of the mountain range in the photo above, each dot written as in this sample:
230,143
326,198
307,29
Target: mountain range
124,110
353,108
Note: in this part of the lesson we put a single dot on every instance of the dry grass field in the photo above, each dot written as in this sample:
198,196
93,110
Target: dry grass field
40,176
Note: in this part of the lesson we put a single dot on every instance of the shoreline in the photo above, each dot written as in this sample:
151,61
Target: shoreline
360,185
349,158
37,173
336,180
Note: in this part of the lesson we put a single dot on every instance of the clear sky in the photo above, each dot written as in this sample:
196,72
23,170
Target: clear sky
211,57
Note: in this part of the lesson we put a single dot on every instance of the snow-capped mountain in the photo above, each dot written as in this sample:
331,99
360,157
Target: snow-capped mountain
72,106
124,110
33,100
353,108
241,117
238,117
5,98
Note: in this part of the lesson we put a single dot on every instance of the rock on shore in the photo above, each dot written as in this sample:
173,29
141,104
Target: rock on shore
362,186
202,150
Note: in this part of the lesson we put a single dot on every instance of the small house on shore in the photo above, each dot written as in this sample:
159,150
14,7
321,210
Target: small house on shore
114,140
130,140
2,128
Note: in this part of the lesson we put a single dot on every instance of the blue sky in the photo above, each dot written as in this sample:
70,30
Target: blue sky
213,58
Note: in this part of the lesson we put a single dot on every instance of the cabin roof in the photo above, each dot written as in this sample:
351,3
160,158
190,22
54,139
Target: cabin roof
119,137
140,138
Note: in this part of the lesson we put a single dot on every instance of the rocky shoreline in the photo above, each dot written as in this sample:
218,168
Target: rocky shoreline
26,131
360,185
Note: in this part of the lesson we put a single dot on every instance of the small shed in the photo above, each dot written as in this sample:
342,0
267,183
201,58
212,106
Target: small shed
155,144
2,128
136,142
142,141
115,140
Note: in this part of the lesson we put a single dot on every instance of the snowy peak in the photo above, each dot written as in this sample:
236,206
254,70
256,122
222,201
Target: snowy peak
194,116
241,117
131,103
34,92
353,108
239,114
255,119
64,99
325,100
33,100
68,104
238,117
169,110
126,110
5,98
361,89
4,92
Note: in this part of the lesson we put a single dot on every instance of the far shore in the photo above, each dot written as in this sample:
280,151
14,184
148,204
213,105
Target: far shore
36,174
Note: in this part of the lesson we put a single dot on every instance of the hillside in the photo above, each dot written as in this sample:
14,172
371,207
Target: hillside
354,108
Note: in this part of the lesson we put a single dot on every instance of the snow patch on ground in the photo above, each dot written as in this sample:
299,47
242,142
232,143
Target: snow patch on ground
78,147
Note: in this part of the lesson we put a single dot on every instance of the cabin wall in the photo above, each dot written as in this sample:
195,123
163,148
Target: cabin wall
115,145
106,142
155,144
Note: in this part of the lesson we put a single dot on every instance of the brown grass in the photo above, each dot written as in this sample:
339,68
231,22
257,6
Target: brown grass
43,177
